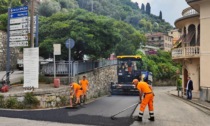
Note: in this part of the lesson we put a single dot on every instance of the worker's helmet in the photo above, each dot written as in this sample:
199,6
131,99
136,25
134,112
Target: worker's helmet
135,80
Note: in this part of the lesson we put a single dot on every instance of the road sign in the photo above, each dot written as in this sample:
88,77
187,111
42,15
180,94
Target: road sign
18,44
18,20
22,20
21,26
71,41
18,38
20,14
19,9
19,32
57,49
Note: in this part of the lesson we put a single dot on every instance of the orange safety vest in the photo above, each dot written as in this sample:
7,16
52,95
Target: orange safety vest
144,87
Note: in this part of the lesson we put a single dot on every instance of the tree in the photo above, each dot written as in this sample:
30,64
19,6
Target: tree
68,4
142,7
4,4
96,36
160,15
48,8
148,8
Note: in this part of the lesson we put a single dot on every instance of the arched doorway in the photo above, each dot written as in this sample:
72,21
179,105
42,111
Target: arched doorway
191,35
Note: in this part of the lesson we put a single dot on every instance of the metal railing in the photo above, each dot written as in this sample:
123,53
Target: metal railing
186,51
189,11
76,67
205,93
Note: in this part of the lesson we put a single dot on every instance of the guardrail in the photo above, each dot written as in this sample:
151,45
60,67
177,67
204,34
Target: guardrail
186,52
76,67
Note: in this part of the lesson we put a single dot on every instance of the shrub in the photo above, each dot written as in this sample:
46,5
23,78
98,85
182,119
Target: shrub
2,101
63,100
45,79
30,100
11,103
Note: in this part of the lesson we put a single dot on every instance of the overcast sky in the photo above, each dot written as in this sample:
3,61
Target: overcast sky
171,9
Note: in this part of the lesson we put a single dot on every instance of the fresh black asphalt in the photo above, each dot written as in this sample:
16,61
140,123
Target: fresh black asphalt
96,113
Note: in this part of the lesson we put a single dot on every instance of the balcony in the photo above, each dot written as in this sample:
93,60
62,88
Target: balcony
186,52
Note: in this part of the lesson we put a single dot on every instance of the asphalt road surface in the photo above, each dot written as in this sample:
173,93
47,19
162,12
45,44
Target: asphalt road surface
14,77
95,113
171,111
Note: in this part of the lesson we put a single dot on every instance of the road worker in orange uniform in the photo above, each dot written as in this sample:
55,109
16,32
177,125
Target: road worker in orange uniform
84,82
146,89
75,90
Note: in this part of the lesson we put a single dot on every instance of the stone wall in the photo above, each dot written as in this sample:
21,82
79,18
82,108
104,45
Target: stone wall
3,51
99,80
99,84
170,82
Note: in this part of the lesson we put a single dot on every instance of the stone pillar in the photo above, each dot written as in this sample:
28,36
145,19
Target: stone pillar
196,34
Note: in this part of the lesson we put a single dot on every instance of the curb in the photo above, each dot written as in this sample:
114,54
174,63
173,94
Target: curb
198,104
45,109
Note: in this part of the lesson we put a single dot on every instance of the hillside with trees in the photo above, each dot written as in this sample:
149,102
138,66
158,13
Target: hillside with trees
96,36
120,30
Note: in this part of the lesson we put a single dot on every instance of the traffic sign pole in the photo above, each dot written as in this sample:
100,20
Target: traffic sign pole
37,31
69,61
32,24
70,44
8,49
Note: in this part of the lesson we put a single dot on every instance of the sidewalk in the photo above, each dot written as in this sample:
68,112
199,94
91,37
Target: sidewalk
198,102
201,105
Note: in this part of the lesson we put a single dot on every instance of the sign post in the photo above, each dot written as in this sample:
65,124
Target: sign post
57,51
70,44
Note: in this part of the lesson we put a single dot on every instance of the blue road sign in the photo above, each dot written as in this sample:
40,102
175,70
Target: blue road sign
19,9
17,15
72,43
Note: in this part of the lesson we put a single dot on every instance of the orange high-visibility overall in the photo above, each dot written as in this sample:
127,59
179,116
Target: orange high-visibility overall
149,96
77,89
84,84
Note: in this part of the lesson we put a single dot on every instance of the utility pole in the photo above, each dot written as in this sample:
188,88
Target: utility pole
32,24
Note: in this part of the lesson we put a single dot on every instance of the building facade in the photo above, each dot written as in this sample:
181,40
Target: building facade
175,33
159,40
192,49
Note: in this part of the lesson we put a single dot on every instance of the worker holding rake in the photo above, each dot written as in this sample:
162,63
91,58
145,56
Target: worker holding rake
146,90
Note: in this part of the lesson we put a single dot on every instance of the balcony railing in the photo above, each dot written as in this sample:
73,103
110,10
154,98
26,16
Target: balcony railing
189,11
186,52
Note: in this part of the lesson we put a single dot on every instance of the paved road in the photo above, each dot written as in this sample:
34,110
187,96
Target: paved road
15,77
171,111
95,113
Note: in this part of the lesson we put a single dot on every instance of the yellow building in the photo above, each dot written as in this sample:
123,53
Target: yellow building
193,47
175,34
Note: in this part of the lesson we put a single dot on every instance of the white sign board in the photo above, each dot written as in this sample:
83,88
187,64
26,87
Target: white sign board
18,44
19,32
21,26
22,20
18,38
31,67
57,49
18,20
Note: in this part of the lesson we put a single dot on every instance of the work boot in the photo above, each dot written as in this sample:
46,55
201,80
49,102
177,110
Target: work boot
139,118
151,118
